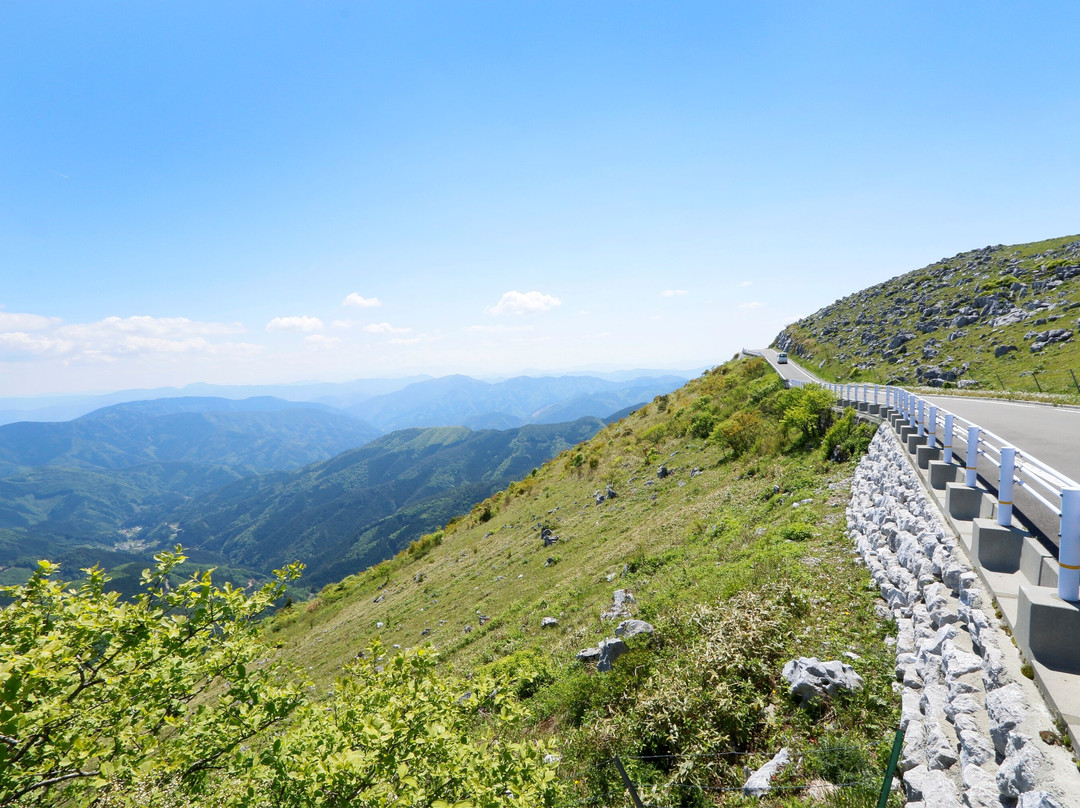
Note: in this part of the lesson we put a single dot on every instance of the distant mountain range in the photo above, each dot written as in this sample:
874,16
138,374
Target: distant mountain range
345,514
461,400
257,482
340,395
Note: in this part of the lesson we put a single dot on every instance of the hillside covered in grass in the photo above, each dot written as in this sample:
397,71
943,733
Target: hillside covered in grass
707,528
996,318
737,556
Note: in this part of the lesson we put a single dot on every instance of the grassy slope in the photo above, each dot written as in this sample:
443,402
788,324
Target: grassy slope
832,337
737,579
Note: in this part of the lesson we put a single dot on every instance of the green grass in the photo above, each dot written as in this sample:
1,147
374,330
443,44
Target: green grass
740,567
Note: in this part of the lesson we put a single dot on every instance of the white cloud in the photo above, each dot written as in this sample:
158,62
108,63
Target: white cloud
106,340
321,341
752,304
176,327
409,341
302,323
497,329
384,328
342,325
744,284
10,321
514,302
19,344
672,292
361,302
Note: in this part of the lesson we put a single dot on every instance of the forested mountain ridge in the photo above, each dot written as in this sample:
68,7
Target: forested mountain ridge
255,435
361,507
461,400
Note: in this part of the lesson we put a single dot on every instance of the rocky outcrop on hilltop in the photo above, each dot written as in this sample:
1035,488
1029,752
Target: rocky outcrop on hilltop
928,326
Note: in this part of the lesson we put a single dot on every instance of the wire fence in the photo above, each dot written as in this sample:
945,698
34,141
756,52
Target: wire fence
830,776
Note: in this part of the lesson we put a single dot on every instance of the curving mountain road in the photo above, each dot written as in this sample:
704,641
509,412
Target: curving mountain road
1049,433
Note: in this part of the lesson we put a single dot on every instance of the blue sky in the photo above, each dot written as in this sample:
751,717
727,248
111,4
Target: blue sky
269,192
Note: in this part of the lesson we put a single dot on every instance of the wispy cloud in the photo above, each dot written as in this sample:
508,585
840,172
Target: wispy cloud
36,337
301,323
361,302
497,329
11,321
384,328
515,302
320,341
744,284
672,292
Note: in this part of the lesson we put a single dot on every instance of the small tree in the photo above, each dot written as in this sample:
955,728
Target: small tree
170,700
95,693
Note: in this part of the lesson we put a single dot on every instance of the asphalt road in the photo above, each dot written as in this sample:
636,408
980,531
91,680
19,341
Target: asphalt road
1051,434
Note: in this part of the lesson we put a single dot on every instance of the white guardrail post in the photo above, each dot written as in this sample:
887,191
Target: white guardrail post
1005,486
947,438
922,418
1069,551
876,394
971,467
931,427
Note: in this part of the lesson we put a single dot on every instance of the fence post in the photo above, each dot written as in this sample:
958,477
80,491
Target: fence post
931,425
1005,486
913,417
1069,551
948,437
894,758
629,785
876,394
972,464
922,418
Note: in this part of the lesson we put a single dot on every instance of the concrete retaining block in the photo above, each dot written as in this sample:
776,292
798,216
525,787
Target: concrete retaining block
942,473
966,503
997,548
914,441
925,454
1042,621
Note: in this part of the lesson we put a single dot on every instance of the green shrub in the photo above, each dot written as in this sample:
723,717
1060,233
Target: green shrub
809,410
738,433
701,425
426,543
846,438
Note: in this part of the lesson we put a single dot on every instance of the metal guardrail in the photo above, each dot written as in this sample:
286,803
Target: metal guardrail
1057,493
1054,491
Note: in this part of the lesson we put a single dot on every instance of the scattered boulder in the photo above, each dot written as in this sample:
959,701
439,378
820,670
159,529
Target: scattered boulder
622,600
632,628
662,472
1002,350
483,618
611,492
760,782
610,650
588,655
548,622
548,537
811,679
